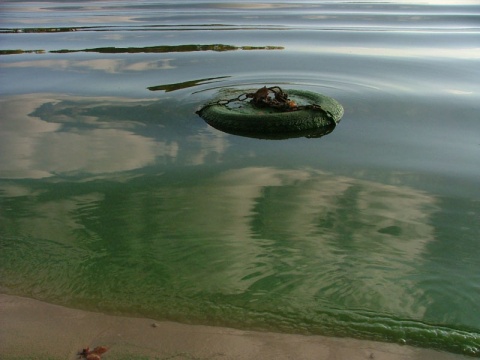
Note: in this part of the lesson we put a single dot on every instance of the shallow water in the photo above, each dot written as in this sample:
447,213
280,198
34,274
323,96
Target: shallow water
115,196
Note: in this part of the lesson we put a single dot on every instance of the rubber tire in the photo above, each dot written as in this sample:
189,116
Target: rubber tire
256,121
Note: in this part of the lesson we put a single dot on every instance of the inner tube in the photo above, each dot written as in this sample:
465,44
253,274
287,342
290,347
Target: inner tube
241,117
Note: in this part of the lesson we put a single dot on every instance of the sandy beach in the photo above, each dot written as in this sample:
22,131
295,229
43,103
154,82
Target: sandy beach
32,329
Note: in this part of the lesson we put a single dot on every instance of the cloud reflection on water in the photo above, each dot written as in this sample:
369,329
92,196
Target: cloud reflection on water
35,148
318,219
246,214
110,66
47,135
304,239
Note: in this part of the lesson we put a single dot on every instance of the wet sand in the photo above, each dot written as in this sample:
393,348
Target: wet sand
31,329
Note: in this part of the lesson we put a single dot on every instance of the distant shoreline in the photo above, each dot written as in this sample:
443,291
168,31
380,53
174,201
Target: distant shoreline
32,329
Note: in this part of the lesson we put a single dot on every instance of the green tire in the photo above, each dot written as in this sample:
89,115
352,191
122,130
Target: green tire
268,122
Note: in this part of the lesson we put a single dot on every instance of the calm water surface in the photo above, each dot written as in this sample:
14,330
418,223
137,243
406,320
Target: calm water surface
115,196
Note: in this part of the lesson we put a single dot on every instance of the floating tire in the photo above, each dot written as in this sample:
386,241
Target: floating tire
242,118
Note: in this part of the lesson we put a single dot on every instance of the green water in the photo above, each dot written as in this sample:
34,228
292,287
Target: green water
116,197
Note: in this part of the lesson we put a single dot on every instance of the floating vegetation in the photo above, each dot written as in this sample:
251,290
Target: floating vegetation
184,85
